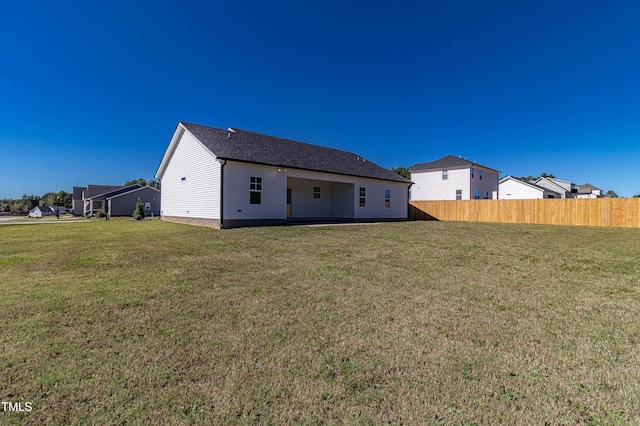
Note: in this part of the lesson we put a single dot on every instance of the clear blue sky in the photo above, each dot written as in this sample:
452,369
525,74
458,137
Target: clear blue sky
91,91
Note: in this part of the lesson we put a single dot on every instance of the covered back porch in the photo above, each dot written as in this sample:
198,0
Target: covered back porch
319,200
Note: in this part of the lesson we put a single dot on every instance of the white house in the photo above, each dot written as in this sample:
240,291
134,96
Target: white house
588,191
453,178
230,178
40,211
565,188
511,188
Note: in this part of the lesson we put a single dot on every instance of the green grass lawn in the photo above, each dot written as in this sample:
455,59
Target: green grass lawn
126,322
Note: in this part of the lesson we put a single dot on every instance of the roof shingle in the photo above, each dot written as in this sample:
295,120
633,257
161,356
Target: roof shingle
250,147
445,162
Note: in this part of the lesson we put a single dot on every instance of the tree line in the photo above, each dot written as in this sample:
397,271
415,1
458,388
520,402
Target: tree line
27,202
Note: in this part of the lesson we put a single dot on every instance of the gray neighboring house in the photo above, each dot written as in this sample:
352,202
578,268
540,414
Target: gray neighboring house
115,200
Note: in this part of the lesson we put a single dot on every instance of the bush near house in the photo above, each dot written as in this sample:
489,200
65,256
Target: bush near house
139,213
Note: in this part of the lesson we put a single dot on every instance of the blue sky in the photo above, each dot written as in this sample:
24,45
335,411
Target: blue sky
91,91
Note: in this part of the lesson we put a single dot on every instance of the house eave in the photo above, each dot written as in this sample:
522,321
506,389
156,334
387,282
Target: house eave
408,182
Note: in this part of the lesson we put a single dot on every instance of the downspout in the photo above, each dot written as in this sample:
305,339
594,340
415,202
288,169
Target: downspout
409,199
222,193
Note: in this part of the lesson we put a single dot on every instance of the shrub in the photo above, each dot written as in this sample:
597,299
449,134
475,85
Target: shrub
101,213
138,213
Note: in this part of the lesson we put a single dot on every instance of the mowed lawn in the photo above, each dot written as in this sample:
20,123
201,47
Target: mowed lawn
126,322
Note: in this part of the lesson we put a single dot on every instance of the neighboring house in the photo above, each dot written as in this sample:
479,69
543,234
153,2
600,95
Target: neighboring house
453,178
115,200
123,203
511,188
230,178
588,191
77,205
40,211
565,188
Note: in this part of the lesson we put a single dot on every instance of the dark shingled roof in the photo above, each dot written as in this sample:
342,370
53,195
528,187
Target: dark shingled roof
93,191
445,162
77,192
257,148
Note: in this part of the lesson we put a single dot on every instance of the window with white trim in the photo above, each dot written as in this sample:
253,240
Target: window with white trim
445,174
458,194
387,198
473,170
316,192
255,190
363,196
476,194
480,172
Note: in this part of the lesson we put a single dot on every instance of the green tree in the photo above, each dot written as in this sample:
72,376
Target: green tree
29,202
154,183
402,171
139,181
138,213
611,194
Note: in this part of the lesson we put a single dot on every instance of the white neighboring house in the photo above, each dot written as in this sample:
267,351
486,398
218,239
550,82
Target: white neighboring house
515,189
230,178
565,188
40,211
588,191
453,178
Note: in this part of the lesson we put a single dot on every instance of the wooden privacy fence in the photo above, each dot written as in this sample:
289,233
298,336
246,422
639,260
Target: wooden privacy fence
619,212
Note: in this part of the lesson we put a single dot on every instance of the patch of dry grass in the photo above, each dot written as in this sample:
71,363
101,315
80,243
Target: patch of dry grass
419,322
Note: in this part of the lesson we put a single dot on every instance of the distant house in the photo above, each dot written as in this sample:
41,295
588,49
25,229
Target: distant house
565,188
41,211
588,191
114,200
77,204
230,178
453,178
511,188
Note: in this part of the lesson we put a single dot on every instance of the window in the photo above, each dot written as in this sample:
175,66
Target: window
486,195
387,198
316,192
473,170
458,194
255,190
476,194
445,174
363,195
480,174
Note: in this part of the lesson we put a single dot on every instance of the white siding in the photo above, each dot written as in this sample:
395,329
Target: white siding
513,190
488,183
374,207
236,205
429,185
190,184
302,202
339,194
